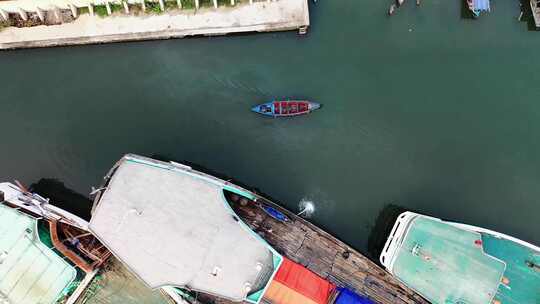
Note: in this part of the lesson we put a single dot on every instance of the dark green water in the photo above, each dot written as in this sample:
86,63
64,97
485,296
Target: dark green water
443,118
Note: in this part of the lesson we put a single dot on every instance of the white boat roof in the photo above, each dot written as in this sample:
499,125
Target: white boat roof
173,227
30,272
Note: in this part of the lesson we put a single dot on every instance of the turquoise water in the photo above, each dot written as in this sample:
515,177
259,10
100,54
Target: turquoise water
423,109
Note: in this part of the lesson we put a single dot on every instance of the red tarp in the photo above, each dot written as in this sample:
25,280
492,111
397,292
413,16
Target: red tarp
294,284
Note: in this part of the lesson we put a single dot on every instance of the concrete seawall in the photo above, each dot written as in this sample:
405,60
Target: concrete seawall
280,15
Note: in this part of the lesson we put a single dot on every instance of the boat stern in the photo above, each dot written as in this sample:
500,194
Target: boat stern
395,239
264,109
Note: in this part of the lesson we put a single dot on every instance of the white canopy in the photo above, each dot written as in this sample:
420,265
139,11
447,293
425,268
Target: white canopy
172,227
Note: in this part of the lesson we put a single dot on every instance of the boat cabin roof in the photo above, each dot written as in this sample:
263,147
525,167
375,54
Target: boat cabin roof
172,226
450,264
446,264
30,272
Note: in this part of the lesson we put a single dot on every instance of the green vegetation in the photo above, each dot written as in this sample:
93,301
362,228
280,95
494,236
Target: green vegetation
206,3
135,9
83,10
153,7
224,3
171,5
116,7
4,24
188,4
100,10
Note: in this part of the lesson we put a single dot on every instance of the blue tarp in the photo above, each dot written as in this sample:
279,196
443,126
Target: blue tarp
347,296
275,213
481,5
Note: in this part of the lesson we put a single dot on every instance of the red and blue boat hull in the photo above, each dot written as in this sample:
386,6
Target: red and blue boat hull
286,108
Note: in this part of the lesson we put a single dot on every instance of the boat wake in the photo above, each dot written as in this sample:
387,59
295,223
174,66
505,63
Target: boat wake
238,85
306,207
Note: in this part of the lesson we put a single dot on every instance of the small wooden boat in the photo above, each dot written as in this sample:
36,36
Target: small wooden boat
478,6
286,108
392,9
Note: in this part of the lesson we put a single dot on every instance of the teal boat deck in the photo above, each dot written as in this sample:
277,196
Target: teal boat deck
30,272
524,279
447,264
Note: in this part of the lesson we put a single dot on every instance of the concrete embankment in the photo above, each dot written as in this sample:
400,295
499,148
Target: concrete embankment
88,28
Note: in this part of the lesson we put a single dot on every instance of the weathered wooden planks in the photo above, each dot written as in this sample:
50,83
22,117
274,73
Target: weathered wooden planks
325,255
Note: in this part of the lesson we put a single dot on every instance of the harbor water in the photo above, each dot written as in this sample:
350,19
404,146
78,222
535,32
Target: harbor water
423,109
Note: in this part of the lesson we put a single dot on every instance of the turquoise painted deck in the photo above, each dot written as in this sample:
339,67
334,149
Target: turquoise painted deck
444,264
524,286
30,272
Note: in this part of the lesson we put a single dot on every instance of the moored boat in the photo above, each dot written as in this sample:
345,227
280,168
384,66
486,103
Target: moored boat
478,6
178,235
207,240
286,108
47,254
449,262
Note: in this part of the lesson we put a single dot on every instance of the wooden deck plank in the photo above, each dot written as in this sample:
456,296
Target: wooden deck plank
325,255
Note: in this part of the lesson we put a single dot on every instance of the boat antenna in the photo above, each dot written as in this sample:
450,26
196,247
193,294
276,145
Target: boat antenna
22,187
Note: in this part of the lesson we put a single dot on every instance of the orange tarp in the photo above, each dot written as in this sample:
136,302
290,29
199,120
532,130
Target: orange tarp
278,293
294,284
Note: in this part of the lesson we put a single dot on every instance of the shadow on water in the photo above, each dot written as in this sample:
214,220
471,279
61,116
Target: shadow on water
63,197
80,205
382,228
465,12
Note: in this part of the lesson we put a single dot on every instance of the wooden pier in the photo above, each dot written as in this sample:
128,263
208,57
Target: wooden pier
323,254
72,22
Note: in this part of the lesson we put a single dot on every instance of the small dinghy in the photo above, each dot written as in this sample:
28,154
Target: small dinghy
286,108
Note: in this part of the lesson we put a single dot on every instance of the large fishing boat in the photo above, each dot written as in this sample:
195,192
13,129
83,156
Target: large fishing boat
48,255
203,239
163,233
449,262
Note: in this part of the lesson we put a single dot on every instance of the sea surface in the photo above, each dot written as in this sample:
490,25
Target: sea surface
425,110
